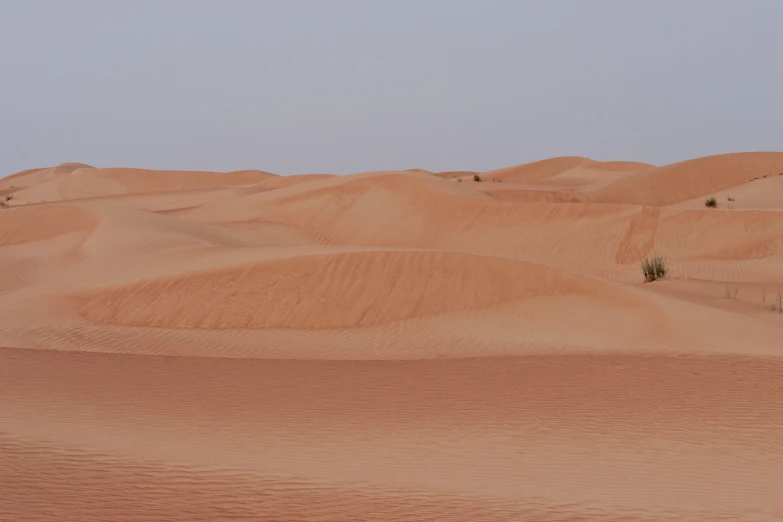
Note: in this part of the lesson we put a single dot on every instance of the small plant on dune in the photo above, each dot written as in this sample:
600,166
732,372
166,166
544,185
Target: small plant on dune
730,200
775,305
711,202
476,177
9,197
654,268
459,180
731,292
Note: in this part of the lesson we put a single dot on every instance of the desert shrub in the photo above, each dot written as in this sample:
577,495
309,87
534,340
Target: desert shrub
775,305
711,202
476,177
654,268
730,198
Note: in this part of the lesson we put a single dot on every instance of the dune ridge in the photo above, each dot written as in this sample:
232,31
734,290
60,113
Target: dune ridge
393,345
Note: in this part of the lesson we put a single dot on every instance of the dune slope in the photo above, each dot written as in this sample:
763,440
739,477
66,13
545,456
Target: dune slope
693,178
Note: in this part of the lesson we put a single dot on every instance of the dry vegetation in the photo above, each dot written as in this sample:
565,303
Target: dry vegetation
773,305
654,268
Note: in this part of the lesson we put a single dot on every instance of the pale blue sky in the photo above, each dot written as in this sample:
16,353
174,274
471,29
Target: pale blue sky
353,85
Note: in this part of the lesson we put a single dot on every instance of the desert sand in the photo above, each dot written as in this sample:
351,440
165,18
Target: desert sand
404,345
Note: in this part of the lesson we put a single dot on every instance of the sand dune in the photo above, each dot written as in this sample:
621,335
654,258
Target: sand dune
690,179
394,345
329,291
75,181
29,224
554,180
416,211
764,193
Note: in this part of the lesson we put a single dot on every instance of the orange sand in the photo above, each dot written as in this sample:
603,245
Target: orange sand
409,345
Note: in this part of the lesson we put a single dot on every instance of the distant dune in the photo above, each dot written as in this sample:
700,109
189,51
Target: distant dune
393,345
694,178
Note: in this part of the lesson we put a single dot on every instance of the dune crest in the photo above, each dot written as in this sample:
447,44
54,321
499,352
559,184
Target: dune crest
700,177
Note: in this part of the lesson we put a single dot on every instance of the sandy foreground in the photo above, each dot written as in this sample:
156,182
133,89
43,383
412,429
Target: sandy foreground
408,345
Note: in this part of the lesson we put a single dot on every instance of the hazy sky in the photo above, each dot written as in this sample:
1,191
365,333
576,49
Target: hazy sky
345,86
